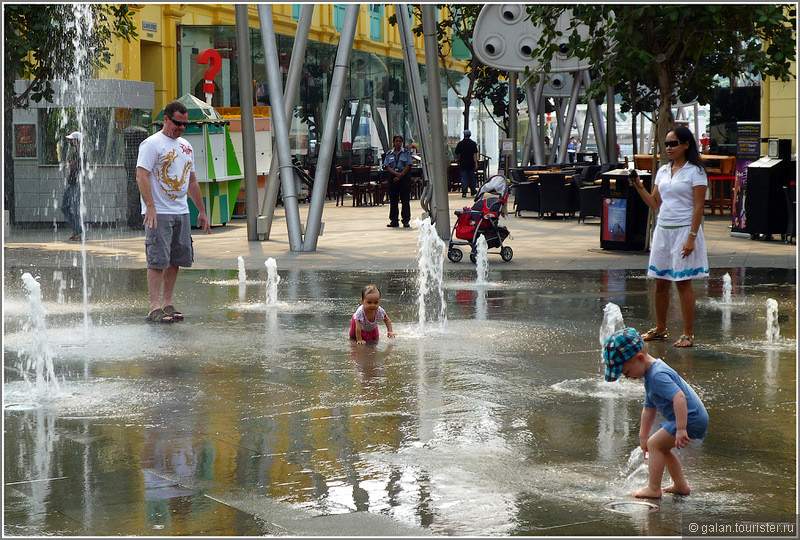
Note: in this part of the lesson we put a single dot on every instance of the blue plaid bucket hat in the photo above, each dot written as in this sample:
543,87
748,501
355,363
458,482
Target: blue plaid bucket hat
619,347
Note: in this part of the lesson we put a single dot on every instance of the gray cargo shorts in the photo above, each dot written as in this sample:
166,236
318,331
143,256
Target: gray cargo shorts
170,242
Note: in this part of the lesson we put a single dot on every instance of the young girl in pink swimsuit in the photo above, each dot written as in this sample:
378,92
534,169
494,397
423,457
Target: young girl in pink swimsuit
364,323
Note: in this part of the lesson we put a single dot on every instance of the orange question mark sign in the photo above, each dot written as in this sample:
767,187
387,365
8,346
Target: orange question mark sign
214,61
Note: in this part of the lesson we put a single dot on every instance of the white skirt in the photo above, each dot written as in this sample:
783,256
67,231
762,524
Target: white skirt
666,261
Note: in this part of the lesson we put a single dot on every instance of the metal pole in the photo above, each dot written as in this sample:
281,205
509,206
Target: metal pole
533,97
597,122
512,116
340,69
248,123
280,127
289,97
573,106
415,92
439,178
611,120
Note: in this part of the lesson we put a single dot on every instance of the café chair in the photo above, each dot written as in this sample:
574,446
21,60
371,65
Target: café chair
526,197
591,202
454,177
556,197
363,187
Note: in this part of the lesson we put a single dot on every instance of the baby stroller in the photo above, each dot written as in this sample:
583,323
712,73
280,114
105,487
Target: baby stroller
482,219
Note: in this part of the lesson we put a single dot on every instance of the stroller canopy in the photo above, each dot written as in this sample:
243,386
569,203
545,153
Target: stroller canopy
496,184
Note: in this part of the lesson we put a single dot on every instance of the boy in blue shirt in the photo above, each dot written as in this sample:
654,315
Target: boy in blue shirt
665,392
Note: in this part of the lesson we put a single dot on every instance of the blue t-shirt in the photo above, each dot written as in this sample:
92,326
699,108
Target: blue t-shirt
661,383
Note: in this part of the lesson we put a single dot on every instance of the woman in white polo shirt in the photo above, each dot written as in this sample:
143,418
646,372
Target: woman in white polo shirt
678,249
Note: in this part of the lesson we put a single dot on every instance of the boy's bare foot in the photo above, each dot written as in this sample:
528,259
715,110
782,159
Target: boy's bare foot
646,493
677,491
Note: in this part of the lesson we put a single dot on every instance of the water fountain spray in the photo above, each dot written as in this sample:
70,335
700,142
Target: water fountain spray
773,329
432,250
38,357
482,261
726,288
612,321
79,16
272,282
242,274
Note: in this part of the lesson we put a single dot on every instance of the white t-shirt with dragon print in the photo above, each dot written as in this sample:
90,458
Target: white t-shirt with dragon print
170,162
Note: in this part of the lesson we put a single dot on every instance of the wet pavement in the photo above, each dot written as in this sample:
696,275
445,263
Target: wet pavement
247,419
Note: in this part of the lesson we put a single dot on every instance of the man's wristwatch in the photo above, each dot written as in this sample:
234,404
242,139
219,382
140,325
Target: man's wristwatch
693,233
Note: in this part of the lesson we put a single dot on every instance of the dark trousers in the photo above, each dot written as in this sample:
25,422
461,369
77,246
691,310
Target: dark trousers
400,192
70,206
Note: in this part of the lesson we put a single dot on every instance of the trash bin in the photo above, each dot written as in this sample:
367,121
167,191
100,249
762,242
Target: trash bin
765,204
623,223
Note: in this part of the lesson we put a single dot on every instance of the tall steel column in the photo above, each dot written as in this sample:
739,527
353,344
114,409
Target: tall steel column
439,177
597,121
329,134
280,129
573,106
416,94
289,98
512,116
248,123
611,122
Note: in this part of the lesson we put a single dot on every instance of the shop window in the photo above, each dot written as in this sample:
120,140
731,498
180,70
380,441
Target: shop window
338,16
102,130
376,22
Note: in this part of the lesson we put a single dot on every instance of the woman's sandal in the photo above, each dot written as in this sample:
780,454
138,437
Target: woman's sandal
653,334
158,316
683,338
170,311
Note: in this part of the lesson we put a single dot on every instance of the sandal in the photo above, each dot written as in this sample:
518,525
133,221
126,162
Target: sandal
158,316
170,311
653,334
683,338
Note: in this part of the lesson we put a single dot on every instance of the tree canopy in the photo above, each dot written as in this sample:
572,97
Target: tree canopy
39,44
657,54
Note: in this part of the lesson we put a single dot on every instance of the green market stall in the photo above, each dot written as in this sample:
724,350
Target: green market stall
216,166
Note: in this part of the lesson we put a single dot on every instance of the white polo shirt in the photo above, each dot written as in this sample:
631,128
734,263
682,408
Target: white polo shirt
677,193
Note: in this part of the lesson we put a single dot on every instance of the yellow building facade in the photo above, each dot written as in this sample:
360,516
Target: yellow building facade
152,57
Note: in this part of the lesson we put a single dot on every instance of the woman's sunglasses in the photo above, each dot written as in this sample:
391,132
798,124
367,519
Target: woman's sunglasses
177,123
668,144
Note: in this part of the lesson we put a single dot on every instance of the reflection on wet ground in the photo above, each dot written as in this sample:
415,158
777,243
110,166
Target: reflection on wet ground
247,420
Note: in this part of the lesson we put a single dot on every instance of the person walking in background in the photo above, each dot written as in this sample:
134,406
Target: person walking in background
397,165
467,156
571,149
678,250
165,175
71,202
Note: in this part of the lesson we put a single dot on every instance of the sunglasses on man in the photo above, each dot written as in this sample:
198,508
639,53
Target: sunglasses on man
177,123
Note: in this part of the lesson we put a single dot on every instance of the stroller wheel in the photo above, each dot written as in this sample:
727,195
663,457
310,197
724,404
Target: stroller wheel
506,253
473,257
455,255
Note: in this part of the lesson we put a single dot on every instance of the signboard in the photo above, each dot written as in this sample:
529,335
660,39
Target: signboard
507,146
615,213
25,140
748,150
748,145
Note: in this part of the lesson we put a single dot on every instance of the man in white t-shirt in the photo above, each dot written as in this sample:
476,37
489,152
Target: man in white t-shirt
165,174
